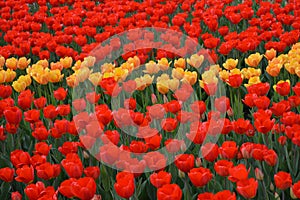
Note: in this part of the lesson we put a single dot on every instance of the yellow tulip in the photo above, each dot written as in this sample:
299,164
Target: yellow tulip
10,75
56,65
230,63
173,84
253,80
253,60
107,67
43,63
82,74
66,62
291,66
163,77
72,81
11,63
163,64
297,71
190,77
180,63
23,63
215,68
235,71
55,76
95,78
88,61
151,67
2,62
224,75
25,79
128,66
19,86
270,54
178,73
140,84
250,72
2,76
147,79
135,61
120,74
77,65
209,77
163,87
195,60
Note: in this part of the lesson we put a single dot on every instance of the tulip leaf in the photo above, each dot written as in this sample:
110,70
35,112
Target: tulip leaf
5,187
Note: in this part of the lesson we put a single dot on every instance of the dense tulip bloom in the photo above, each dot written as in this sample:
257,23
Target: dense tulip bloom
40,133
32,116
260,89
185,162
247,188
279,108
161,178
50,112
283,180
241,126
7,174
25,99
25,174
169,191
198,107
124,185
42,148
205,196
264,125
200,176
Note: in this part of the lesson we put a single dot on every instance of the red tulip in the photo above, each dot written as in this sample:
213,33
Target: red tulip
161,178
25,99
225,195
155,160
63,110
48,171
283,180
124,185
65,187
7,174
16,196
210,151
92,171
33,191
169,191
25,174
60,94
13,115
238,173
222,104
296,189
270,157
200,176
19,158
247,188
79,104
40,102
222,167
50,112
73,165
235,80
205,196
283,88
185,162
84,188
5,91
169,124
198,107
228,150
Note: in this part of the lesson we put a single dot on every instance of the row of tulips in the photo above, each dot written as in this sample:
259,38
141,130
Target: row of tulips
217,145
48,30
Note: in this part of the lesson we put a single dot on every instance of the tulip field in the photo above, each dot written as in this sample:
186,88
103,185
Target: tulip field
146,100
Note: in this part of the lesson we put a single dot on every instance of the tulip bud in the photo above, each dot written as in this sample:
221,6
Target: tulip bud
259,174
198,162
272,187
277,196
153,98
181,174
230,112
183,147
85,155
97,197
